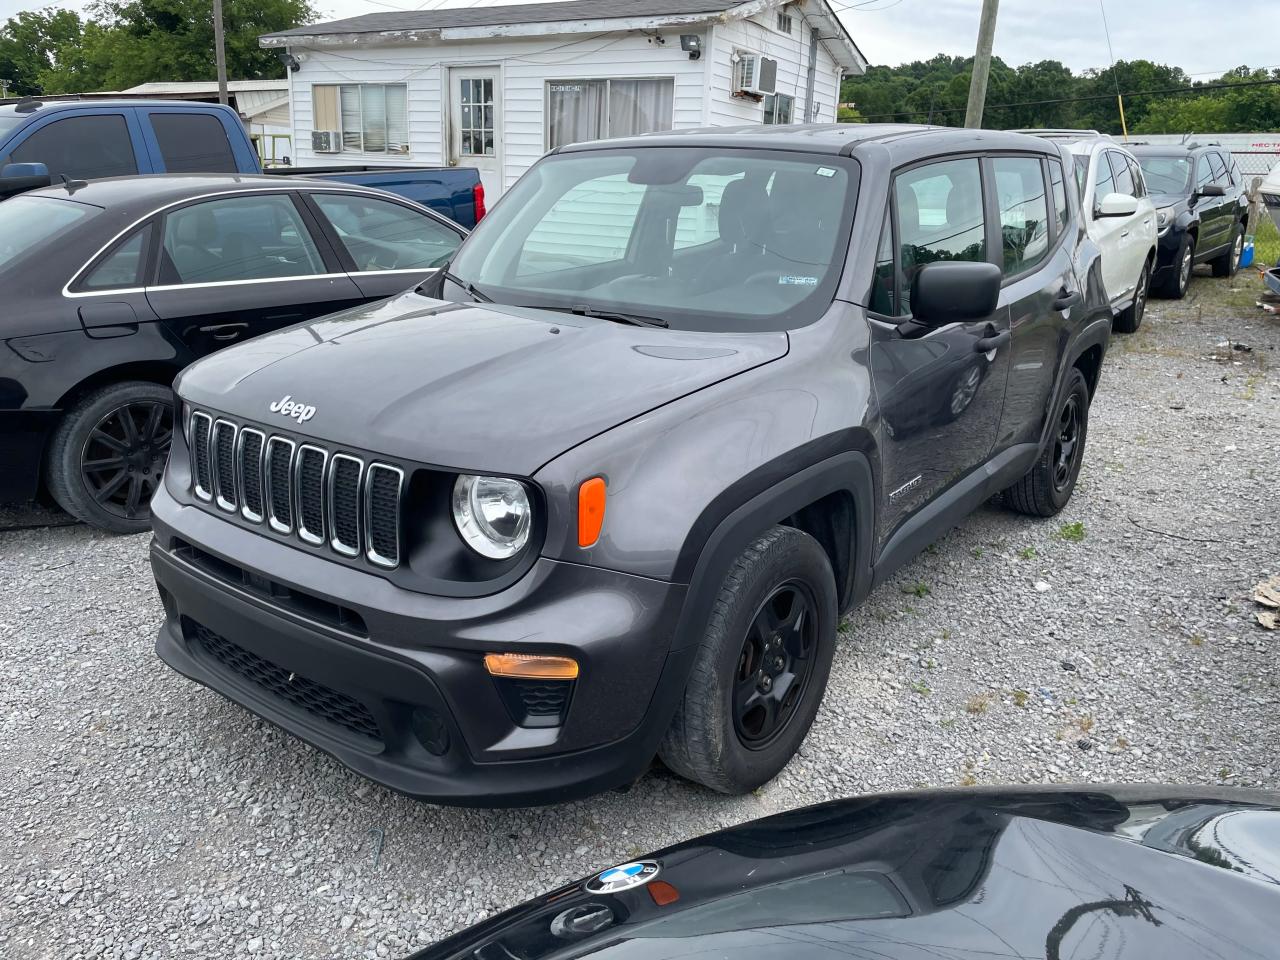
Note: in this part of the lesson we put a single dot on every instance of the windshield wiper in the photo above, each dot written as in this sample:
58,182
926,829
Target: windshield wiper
635,319
468,287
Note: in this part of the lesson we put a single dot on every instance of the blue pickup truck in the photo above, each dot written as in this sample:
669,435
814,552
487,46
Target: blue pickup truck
92,139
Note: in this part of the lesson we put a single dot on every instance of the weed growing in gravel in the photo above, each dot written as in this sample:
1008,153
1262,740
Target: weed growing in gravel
977,552
947,723
1020,698
978,704
1197,640
920,687
1072,532
919,589
1027,553
1085,723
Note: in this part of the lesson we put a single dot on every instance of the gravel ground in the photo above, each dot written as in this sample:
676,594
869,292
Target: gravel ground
142,816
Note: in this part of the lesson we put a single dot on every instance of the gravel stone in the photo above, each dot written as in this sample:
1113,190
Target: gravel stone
142,816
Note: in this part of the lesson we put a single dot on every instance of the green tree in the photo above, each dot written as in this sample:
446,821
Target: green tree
33,43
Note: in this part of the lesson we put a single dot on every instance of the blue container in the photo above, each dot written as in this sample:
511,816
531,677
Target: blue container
1246,255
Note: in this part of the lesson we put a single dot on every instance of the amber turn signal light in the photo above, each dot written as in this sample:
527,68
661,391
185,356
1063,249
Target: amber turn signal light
524,666
591,497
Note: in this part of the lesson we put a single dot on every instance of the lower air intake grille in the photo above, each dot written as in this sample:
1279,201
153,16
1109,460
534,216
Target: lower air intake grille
316,699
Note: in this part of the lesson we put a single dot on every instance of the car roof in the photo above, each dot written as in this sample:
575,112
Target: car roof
37,107
157,190
1153,149
829,138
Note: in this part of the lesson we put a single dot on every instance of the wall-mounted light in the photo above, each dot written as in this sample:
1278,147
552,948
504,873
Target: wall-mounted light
289,60
691,44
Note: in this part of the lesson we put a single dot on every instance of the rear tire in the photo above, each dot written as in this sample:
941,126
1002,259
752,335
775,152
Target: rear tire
1047,486
1130,318
1228,264
761,669
107,455
1175,286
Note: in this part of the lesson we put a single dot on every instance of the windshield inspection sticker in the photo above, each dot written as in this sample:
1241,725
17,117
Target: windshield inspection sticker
825,172
625,877
799,281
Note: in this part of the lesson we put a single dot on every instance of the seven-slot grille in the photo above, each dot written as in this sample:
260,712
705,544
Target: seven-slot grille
299,489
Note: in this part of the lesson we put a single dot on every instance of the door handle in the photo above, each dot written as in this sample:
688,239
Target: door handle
1123,234
993,342
1066,299
225,331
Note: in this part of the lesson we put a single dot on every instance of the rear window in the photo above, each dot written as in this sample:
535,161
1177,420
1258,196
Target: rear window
28,223
193,143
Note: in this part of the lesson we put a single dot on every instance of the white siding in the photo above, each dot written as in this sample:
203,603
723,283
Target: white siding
759,35
526,66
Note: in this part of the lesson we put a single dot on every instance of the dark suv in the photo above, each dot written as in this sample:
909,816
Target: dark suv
602,490
1201,211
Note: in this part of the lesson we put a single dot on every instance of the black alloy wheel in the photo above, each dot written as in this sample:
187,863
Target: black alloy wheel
775,665
1067,448
123,458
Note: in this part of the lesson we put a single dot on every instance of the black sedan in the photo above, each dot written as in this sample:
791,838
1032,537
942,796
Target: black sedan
1098,872
111,288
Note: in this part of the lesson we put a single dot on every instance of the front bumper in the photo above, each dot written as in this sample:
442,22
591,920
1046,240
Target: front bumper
392,682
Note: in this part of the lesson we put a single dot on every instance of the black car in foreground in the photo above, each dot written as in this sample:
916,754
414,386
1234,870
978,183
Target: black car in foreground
1201,211
1139,873
602,490
110,288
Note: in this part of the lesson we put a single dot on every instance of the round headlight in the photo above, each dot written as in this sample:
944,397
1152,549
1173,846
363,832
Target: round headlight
492,514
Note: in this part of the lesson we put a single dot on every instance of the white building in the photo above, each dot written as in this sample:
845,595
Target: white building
496,87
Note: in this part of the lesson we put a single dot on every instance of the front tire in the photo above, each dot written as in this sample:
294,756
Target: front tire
1178,282
1130,319
1047,486
107,455
761,669
1228,264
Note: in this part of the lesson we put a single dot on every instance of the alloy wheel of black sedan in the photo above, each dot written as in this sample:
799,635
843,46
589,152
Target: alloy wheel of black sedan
123,458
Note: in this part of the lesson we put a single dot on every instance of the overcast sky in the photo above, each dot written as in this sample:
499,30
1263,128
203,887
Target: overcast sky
1201,36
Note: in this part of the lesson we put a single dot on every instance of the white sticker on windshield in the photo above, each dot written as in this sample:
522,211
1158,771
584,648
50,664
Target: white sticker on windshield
825,172
799,281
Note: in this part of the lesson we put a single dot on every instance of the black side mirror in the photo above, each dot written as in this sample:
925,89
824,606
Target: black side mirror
954,291
1212,190
20,177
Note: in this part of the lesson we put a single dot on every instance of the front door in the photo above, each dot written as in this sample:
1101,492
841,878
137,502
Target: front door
1120,238
475,125
940,396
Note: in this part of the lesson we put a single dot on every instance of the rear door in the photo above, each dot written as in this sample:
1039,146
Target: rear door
387,246
188,141
235,267
1219,211
940,398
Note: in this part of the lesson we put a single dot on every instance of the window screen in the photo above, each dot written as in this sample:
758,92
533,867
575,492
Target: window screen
86,147
372,117
582,110
778,108
193,143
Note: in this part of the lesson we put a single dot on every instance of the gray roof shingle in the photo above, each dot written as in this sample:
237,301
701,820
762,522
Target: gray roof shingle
510,14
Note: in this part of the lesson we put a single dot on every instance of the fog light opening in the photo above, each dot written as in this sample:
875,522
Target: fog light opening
429,727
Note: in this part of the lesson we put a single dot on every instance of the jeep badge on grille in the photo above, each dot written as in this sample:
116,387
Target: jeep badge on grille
287,406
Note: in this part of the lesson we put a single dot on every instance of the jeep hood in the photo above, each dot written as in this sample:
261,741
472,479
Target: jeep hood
476,387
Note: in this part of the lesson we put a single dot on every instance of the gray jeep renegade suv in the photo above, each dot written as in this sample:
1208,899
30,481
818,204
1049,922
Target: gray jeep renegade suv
600,491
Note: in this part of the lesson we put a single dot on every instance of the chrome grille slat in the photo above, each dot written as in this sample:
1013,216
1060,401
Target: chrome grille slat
327,499
223,454
249,449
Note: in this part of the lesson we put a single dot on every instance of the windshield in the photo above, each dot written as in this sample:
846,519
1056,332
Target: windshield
731,240
1166,174
28,222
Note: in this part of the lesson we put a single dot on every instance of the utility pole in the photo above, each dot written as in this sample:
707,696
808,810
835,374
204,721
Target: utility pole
981,65
220,52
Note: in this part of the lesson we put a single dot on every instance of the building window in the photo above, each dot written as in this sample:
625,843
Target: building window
784,22
372,117
778,107
579,110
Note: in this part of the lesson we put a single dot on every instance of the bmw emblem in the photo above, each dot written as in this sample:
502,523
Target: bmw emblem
624,877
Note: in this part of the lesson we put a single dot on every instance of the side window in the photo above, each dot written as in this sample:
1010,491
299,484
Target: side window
238,238
939,218
1103,181
589,224
1236,176
1120,169
193,143
381,235
882,283
1024,212
1139,181
1204,172
88,147
122,267
1059,194
1219,169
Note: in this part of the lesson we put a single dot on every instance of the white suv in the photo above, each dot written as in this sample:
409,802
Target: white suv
1120,218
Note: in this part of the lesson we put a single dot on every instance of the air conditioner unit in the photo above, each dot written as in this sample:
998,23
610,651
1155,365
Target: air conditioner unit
756,75
326,141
